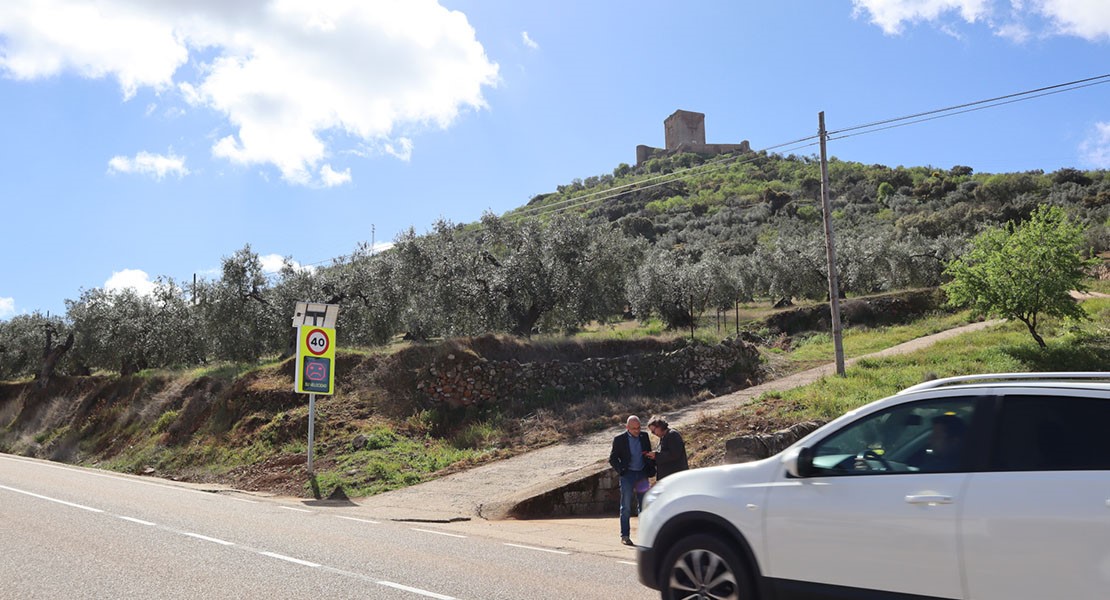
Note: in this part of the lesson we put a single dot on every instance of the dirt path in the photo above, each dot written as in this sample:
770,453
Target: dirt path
488,490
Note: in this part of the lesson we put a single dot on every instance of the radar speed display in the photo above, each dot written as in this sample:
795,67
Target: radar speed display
315,373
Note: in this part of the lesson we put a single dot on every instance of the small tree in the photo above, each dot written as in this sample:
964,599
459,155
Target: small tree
1023,272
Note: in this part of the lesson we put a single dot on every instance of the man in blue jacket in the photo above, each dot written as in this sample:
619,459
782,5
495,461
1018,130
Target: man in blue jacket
629,459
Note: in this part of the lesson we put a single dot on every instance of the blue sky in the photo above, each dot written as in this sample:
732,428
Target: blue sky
145,139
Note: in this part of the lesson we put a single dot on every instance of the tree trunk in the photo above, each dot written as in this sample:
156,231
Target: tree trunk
1032,325
50,356
525,322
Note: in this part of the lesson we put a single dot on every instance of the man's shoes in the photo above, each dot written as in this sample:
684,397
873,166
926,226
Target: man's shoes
627,541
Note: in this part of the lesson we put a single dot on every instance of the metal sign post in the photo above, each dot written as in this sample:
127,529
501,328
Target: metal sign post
311,429
315,368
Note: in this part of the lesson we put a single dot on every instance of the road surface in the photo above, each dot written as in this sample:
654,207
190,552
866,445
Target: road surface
70,532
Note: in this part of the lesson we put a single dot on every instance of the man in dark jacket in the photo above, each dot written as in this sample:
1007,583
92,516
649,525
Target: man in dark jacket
671,455
628,458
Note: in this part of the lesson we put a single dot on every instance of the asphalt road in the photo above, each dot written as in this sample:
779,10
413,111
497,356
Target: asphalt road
68,532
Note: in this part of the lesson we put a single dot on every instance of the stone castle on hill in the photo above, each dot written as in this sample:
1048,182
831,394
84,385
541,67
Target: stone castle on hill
685,132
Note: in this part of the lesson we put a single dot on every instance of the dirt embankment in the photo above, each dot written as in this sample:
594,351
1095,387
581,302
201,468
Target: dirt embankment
241,430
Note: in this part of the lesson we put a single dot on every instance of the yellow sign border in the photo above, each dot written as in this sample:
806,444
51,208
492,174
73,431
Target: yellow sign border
303,352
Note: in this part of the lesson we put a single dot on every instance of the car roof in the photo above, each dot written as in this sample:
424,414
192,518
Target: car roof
1090,380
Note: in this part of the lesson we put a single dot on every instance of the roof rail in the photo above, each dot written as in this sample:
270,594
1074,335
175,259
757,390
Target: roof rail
1001,377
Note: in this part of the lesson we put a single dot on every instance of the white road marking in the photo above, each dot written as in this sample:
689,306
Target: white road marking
415,590
359,520
116,477
41,497
207,539
626,562
535,548
305,510
134,520
290,559
438,532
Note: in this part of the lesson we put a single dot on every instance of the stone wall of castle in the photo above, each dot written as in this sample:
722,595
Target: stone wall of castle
684,131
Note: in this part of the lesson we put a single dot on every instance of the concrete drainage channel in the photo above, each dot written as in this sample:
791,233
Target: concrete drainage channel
595,490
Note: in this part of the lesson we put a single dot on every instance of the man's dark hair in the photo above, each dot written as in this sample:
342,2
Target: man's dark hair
953,426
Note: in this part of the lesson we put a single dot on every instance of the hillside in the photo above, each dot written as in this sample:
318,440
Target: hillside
678,238
381,430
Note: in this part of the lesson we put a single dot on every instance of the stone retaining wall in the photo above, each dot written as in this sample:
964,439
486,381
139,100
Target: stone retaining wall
465,379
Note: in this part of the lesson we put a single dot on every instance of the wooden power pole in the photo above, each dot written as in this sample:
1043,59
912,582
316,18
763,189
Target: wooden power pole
830,250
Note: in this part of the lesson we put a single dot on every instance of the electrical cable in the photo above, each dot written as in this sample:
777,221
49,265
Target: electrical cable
576,202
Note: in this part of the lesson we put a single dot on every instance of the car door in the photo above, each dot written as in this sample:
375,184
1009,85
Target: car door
1037,523
873,517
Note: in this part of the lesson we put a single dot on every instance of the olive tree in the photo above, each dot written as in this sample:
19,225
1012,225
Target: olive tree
237,312
28,344
558,274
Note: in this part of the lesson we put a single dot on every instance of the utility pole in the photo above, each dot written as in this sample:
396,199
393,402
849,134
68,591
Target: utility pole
830,249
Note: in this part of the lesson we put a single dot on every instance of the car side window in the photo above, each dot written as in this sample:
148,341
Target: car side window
926,436
1052,433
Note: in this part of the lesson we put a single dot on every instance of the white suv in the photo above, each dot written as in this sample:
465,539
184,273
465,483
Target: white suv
986,487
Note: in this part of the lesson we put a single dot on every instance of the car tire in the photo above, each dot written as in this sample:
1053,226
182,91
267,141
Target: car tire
704,566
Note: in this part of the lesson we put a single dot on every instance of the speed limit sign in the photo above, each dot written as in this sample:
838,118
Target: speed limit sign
315,372
318,342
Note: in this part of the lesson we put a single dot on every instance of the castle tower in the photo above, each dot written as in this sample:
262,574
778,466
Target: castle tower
684,127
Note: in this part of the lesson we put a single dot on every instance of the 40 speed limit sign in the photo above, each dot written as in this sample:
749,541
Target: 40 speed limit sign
315,372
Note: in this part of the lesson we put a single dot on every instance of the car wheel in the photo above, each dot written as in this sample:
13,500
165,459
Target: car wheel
702,567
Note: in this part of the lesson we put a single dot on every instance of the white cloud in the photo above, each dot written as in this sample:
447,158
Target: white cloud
893,15
1016,20
273,263
145,163
528,41
1088,19
403,149
1095,150
331,178
130,278
7,307
285,74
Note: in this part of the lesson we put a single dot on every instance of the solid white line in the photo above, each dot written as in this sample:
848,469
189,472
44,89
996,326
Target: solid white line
415,590
438,532
535,548
81,506
42,463
289,558
625,562
207,539
296,509
134,520
359,520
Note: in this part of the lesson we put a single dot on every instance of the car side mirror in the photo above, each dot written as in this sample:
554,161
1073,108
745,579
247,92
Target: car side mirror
799,462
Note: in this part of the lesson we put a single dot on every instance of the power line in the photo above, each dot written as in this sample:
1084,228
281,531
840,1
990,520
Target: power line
636,185
872,127
577,202
992,102
966,110
669,178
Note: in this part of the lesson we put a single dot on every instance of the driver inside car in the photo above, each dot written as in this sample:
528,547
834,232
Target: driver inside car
945,444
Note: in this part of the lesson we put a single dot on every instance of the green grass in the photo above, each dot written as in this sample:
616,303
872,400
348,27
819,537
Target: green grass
1004,348
1101,286
858,342
390,462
